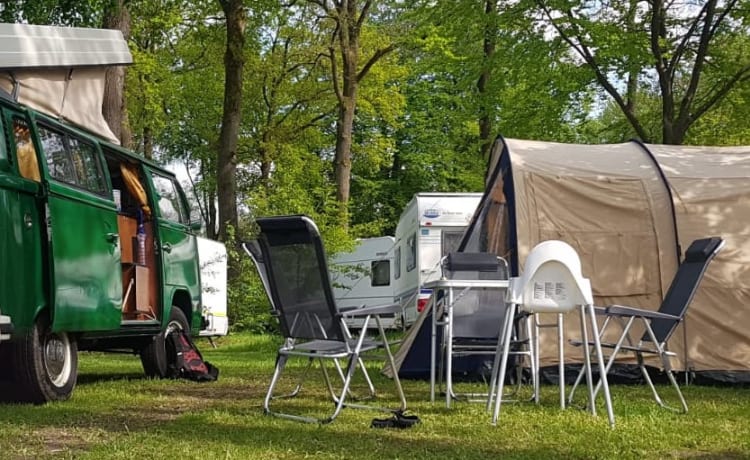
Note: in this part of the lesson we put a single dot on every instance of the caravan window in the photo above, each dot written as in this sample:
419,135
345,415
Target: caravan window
411,252
397,263
381,272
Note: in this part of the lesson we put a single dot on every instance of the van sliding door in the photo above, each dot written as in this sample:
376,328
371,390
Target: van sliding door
82,229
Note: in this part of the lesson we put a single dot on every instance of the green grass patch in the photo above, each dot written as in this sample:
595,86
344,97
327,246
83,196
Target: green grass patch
115,412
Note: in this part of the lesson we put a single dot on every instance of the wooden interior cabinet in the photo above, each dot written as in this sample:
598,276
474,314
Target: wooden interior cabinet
139,282
128,227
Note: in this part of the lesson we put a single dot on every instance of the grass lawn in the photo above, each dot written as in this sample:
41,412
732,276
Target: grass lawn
117,413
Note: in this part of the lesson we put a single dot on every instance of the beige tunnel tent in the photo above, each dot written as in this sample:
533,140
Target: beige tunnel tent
628,209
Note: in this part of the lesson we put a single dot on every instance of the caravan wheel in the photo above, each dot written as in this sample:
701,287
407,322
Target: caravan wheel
45,364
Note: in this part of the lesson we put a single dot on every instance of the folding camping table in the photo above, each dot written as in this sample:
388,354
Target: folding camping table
453,290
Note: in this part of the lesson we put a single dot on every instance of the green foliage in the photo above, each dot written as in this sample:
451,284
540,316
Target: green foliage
248,306
677,61
728,124
74,13
176,77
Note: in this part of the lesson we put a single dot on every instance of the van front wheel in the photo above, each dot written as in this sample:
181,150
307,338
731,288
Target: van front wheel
46,364
159,356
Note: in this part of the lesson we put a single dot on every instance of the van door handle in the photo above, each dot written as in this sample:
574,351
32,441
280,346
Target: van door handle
112,238
166,247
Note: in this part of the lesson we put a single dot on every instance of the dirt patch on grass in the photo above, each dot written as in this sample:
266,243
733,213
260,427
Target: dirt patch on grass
52,442
177,401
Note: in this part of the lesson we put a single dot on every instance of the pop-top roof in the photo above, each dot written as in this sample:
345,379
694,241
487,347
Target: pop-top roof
24,46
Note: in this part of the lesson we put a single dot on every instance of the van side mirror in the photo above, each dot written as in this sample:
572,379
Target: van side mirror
195,225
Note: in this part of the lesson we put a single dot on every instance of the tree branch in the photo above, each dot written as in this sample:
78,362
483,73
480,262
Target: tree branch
695,76
582,49
335,74
363,14
682,46
375,58
741,76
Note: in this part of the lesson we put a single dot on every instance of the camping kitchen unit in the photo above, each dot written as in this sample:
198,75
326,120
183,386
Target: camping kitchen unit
430,226
98,249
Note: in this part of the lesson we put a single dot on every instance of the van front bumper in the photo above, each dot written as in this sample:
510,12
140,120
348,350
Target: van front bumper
6,327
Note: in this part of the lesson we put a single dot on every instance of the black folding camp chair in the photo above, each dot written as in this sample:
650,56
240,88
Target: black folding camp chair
659,325
471,314
297,282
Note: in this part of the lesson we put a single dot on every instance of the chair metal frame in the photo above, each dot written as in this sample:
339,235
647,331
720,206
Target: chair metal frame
459,273
671,313
551,283
317,335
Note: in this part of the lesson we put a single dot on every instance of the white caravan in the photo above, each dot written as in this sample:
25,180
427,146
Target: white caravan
364,276
212,256
431,226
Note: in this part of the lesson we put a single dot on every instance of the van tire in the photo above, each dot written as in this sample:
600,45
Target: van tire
159,356
45,366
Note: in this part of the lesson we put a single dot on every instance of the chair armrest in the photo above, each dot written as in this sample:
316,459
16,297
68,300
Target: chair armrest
374,310
621,310
600,310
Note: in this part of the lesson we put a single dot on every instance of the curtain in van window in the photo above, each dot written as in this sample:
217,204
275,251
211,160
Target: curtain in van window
28,165
133,183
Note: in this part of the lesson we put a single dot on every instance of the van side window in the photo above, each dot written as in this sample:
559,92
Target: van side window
72,160
59,164
411,252
86,162
171,206
381,272
25,152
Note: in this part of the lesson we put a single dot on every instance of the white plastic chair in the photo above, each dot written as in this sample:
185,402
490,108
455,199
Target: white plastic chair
552,282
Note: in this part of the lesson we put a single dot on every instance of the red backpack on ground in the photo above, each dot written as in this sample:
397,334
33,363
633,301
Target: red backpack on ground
189,363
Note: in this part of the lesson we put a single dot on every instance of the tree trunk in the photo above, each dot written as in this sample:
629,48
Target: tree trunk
148,143
348,38
265,157
343,166
114,107
485,115
350,18
226,183
211,223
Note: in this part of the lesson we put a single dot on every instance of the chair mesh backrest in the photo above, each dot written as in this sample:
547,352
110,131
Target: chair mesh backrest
298,278
478,314
256,255
684,285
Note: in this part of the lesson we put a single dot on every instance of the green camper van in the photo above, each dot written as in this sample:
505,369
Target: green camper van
98,250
